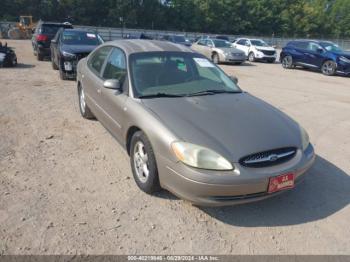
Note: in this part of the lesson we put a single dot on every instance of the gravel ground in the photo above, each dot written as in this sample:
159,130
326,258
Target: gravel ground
66,186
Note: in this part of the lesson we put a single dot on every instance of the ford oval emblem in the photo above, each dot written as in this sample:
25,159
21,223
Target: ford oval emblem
273,157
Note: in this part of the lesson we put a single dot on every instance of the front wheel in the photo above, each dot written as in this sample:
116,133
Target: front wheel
251,57
216,59
329,68
287,62
143,163
54,66
84,108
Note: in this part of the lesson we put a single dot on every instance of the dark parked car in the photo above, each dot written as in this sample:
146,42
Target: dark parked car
42,36
138,36
223,37
178,39
8,57
68,47
322,55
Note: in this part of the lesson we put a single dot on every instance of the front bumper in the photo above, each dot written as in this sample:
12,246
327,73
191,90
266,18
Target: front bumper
215,188
262,56
233,58
343,68
69,67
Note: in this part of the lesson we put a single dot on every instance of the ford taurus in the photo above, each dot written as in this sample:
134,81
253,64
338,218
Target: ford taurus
188,127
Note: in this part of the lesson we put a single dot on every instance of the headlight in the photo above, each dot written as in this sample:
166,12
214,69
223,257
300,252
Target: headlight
304,138
200,157
69,55
344,59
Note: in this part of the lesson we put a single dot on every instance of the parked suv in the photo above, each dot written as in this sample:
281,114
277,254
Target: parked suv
256,49
42,36
219,51
68,47
322,55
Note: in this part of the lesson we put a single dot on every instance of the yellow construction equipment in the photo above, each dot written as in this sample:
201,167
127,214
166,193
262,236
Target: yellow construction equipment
23,29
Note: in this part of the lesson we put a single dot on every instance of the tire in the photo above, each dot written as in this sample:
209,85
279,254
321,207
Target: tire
54,66
40,56
83,107
143,163
251,57
62,75
215,58
287,62
329,68
238,63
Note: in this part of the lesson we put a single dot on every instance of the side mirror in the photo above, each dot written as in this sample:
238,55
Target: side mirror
320,50
234,79
112,84
247,44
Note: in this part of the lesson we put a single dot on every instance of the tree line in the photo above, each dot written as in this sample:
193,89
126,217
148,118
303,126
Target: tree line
284,18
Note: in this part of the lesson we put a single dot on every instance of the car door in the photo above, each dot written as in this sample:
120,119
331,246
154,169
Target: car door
92,80
314,54
244,45
199,46
208,48
113,101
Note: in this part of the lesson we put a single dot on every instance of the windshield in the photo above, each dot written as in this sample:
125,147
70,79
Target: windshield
331,47
221,43
176,74
258,43
179,39
80,38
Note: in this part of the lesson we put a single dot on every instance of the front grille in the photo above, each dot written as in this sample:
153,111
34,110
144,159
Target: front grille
269,158
266,52
237,54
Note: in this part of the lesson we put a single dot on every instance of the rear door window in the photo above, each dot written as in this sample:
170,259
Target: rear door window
98,58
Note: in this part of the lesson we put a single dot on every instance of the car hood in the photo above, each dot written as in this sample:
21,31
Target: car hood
230,50
76,49
234,125
265,48
346,54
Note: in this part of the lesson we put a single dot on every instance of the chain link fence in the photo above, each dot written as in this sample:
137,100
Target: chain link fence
109,33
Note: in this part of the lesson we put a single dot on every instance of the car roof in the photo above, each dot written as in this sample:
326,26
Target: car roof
78,30
141,45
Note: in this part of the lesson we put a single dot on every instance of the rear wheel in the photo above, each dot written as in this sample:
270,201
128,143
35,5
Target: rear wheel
216,58
251,57
84,108
329,68
143,163
287,62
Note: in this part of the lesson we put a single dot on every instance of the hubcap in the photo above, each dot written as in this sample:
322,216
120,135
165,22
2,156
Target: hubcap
215,59
251,57
141,162
287,61
82,100
328,68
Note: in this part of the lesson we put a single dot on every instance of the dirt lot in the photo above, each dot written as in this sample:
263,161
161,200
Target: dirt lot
66,186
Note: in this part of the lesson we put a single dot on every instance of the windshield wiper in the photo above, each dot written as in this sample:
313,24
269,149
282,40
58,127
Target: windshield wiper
213,92
159,95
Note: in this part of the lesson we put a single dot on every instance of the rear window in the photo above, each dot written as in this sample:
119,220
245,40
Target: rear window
51,29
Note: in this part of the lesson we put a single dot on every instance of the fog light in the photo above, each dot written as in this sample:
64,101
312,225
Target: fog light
68,66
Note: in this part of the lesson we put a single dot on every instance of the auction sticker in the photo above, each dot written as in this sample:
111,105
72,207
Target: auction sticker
203,62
